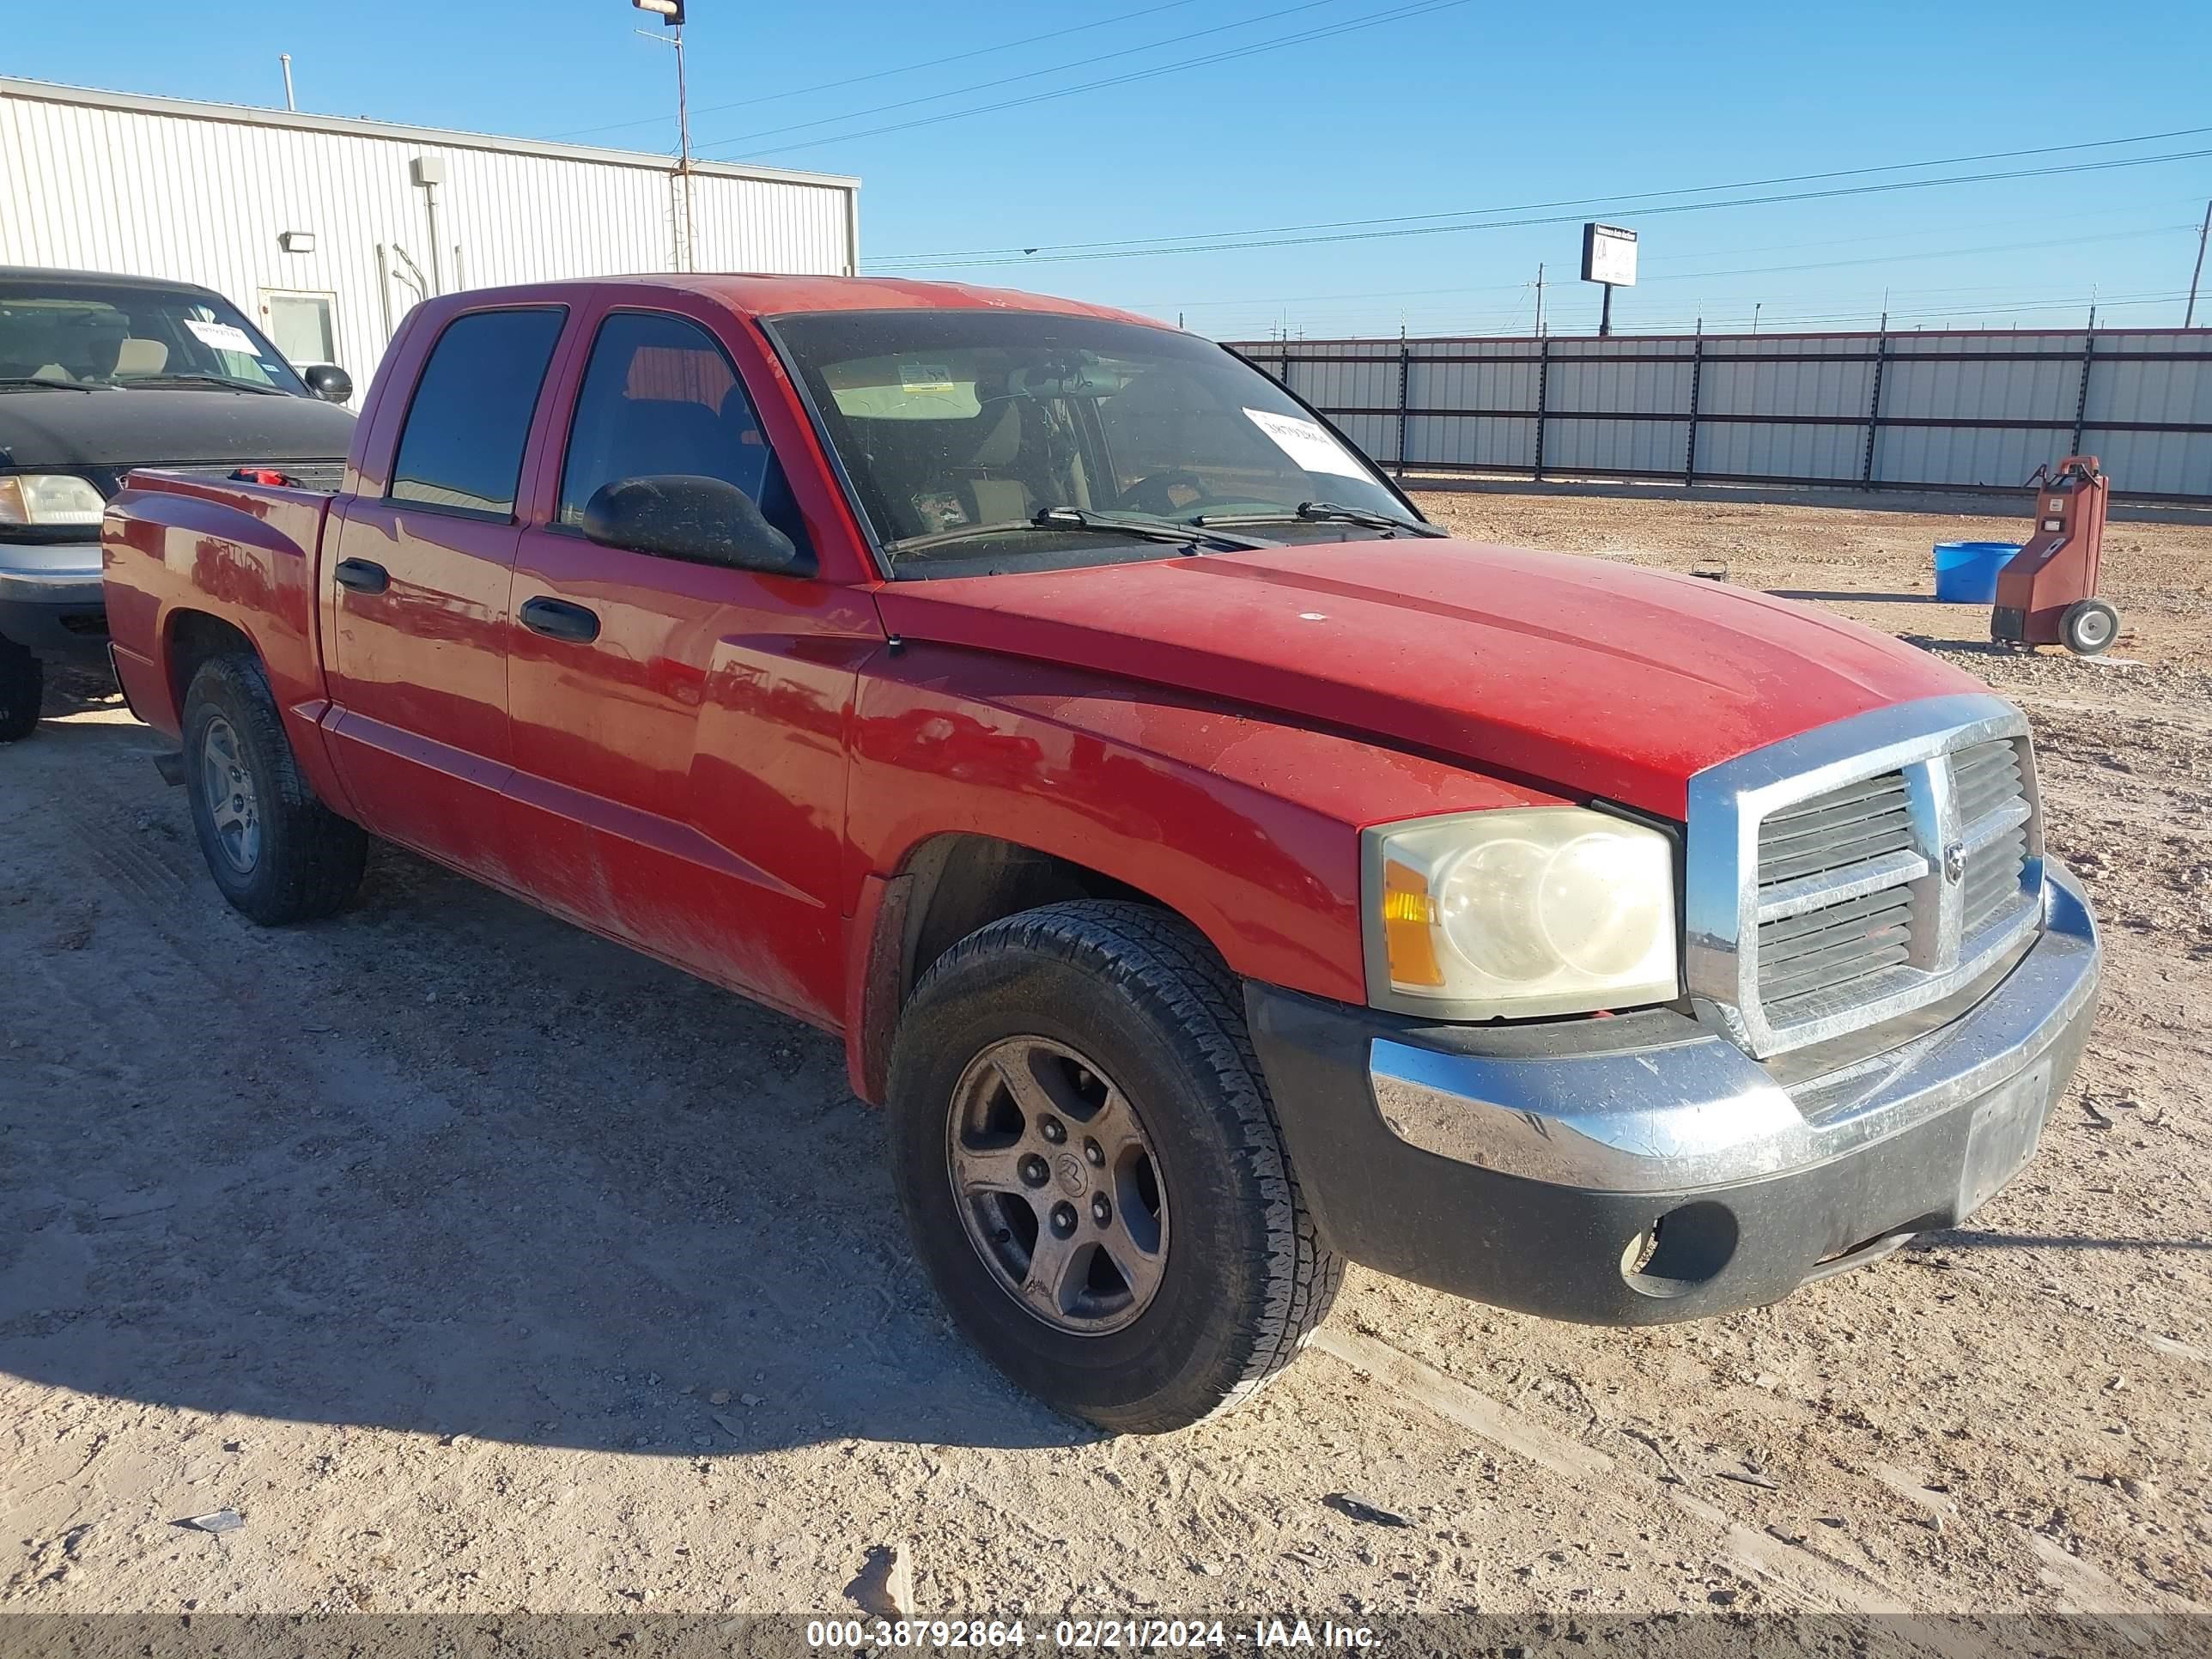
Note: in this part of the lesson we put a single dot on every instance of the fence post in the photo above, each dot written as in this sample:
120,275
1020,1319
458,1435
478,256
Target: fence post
1697,373
1405,397
1874,410
1543,389
2081,397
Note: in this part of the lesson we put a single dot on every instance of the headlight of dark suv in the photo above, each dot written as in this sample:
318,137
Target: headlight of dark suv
49,500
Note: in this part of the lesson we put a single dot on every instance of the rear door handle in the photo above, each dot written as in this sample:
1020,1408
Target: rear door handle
362,576
556,619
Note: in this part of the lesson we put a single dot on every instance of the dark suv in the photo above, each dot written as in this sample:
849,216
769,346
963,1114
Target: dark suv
100,374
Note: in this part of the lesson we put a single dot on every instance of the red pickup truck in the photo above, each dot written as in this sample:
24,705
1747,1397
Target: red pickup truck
1219,871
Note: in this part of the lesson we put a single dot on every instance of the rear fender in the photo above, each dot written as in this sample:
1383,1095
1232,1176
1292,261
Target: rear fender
177,548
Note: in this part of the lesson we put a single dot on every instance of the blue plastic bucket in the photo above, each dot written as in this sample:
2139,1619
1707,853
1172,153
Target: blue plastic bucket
1966,572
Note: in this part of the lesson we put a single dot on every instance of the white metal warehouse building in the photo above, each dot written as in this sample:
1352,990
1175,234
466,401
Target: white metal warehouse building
324,230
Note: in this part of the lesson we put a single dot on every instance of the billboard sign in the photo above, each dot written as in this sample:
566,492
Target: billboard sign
1609,255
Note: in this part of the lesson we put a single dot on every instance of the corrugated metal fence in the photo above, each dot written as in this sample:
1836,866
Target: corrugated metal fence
1922,410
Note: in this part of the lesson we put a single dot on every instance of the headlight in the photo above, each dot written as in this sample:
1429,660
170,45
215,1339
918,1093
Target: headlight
49,498
1523,911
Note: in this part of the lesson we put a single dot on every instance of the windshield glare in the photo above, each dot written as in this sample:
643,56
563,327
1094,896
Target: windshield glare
950,422
112,334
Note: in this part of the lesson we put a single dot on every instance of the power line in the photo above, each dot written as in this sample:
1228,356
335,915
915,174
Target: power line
1163,242
1026,74
880,74
1646,280
1399,15
1225,246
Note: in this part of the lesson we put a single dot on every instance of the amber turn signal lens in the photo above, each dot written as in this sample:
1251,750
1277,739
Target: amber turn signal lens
1409,917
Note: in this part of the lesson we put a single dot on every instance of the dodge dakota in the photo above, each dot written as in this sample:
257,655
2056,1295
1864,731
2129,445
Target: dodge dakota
1217,871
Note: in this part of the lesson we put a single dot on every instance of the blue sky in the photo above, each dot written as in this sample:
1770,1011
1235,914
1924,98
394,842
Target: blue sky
1453,108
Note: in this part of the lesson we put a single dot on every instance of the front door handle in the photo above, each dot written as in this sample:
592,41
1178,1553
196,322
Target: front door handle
556,619
362,576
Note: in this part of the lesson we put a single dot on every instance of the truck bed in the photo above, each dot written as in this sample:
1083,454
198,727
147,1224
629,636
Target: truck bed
188,547
316,477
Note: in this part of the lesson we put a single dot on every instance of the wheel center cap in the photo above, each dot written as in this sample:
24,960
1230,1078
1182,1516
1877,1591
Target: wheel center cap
1068,1170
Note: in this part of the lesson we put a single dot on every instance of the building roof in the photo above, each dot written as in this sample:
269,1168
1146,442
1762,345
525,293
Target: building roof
255,115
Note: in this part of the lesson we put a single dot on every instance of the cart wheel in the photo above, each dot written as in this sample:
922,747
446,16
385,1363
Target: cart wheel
2088,626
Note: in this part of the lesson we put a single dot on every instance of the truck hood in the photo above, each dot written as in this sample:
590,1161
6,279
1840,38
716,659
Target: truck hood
1583,675
61,431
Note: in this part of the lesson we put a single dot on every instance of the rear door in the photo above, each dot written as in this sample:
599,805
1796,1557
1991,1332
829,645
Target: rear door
680,729
418,577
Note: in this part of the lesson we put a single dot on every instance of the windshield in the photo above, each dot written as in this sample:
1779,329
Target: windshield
119,333
958,428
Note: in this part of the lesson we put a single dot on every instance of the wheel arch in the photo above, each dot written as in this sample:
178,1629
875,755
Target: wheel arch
947,886
191,638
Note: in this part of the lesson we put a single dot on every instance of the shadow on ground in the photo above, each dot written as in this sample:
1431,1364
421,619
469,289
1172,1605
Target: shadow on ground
1851,596
442,1164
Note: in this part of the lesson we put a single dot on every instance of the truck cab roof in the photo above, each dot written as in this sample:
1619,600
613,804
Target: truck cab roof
763,295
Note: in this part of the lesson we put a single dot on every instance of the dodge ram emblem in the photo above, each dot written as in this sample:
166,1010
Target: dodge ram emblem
1954,861
1072,1180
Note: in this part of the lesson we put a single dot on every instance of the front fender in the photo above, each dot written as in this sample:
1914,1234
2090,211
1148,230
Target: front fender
1245,823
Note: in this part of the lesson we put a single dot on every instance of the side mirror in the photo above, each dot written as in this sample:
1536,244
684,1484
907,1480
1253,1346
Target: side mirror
329,382
680,516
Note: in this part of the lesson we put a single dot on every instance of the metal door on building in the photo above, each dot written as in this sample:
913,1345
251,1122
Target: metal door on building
303,324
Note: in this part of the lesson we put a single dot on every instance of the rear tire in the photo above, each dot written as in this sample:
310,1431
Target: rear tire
1134,1023
2088,626
22,688
276,852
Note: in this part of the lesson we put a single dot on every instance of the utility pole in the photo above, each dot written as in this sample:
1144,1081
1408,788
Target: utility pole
1539,299
2189,317
670,13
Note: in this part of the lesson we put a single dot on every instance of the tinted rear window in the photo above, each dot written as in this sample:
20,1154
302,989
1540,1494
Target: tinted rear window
462,445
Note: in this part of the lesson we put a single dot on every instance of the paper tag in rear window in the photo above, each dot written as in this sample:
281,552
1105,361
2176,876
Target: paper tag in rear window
223,337
1310,446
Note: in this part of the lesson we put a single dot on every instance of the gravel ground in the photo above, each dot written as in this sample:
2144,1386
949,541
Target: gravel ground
480,1265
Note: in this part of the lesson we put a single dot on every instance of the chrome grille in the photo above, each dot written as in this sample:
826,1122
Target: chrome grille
1861,871
1992,799
1844,826
1863,827
1831,947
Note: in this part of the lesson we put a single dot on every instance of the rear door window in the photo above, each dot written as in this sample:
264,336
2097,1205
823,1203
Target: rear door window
461,449
661,396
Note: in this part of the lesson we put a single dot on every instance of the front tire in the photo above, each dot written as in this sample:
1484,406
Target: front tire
1090,1168
22,688
276,852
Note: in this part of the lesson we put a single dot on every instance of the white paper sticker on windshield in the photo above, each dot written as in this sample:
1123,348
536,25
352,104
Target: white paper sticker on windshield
223,337
926,377
1310,446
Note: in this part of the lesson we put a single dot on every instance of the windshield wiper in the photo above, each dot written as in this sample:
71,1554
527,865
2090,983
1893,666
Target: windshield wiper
222,380
31,381
1178,531
1169,531
1329,512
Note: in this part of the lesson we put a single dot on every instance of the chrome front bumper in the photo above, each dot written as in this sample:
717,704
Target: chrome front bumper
42,584
1703,1113
1664,1173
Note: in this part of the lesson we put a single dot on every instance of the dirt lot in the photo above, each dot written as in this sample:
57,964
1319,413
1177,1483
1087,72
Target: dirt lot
481,1265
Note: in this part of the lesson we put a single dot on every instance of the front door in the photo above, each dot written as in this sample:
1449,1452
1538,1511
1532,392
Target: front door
679,729
418,596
